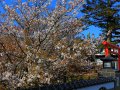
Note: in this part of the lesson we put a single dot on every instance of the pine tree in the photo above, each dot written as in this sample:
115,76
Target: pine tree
104,14
116,35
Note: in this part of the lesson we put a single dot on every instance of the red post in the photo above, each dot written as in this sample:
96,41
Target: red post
106,51
106,48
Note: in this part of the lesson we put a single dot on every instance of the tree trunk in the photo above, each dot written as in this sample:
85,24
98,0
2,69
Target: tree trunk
109,36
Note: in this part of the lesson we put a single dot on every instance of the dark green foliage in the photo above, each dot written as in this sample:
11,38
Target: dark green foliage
104,14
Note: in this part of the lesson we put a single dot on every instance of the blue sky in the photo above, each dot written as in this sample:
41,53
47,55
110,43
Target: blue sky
92,30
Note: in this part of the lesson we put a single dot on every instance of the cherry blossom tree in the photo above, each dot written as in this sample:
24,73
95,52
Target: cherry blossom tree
37,44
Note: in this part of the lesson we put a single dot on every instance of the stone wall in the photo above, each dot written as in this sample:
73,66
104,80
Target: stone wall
78,85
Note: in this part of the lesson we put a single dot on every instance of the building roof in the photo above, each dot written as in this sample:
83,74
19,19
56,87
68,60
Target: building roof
108,58
101,56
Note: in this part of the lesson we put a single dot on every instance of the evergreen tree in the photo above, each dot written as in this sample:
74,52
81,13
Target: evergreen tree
116,35
104,14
